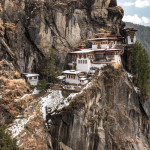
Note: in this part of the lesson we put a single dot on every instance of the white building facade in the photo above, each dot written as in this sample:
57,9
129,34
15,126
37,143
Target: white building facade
131,40
32,79
83,64
130,35
74,77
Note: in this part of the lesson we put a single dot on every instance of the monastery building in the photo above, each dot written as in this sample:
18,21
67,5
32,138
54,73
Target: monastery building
105,50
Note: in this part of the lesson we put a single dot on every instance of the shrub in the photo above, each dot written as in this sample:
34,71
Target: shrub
42,84
6,143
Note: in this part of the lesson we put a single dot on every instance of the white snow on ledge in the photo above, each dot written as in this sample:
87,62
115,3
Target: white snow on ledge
56,101
18,125
52,101
136,89
35,91
20,98
129,75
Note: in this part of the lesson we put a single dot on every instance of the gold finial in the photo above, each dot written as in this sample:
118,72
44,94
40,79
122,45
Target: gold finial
108,32
82,45
102,30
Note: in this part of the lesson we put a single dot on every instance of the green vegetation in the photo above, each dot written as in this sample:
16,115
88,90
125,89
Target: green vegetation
142,35
48,69
140,68
6,143
42,84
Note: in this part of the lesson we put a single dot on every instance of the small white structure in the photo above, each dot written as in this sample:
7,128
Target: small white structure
83,80
83,59
32,78
75,77
130,33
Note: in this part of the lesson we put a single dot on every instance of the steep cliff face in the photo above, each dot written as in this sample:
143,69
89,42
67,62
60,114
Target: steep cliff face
107,115
27,27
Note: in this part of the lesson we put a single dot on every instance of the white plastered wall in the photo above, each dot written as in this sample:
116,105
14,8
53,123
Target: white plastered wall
73,81
94,46
83,67
33,82
129,40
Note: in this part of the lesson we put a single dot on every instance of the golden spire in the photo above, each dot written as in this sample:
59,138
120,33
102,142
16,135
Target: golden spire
102,30
82,45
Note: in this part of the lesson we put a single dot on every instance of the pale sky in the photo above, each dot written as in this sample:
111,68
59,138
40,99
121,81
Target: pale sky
136,11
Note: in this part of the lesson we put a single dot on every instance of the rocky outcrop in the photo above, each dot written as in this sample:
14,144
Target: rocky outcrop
107,115
29,28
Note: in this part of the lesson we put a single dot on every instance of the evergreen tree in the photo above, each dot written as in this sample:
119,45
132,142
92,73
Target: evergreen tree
48,69
42,84
140,68
6,143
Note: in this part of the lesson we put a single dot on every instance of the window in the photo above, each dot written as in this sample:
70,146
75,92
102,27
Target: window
30,78
35,77
85,61
131,40
81,61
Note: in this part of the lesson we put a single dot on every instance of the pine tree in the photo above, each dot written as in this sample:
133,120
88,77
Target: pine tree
42,84
140,68
48,69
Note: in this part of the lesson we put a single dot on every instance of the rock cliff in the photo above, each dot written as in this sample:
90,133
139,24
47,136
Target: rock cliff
27,27
107,115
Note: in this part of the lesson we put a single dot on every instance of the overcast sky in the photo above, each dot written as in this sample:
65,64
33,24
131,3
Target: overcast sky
136,11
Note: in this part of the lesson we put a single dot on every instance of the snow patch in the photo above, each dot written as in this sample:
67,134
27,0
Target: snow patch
56,101
72,95
87,86
35,91
66,101
129,75
136,89
20,98
49,90
52,101
18,125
